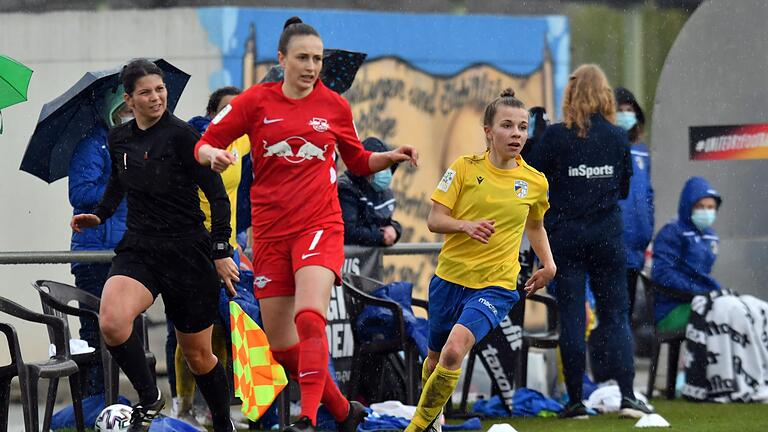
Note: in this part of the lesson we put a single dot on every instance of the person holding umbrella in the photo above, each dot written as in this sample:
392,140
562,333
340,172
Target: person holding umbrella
295,126
166,249
89,172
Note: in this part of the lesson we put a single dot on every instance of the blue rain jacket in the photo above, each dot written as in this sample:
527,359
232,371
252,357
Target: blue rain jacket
683,255
637,209
89,171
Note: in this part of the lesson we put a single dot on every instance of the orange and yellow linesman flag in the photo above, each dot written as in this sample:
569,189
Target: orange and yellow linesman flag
258,377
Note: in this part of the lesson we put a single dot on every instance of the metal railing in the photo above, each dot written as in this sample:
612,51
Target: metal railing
66,257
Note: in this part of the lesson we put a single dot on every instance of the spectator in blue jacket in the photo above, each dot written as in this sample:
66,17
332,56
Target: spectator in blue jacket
684,252
367,205
586,160
637,208
89,171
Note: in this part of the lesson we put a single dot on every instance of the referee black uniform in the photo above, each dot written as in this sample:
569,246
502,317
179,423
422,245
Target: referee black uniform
166,246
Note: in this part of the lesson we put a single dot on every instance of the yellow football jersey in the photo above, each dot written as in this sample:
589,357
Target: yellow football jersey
231,178
474,190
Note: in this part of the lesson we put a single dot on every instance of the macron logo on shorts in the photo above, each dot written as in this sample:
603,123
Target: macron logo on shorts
488,304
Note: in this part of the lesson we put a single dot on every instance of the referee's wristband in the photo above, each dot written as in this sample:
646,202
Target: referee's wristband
222,250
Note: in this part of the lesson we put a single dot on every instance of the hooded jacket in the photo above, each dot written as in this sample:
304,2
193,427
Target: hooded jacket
364,209
683,255
89,171
637,209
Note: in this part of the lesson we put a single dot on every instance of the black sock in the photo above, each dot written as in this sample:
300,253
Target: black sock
215,389
130,357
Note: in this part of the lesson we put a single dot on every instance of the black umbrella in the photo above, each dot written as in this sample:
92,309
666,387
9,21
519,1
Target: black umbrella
338,73
69,118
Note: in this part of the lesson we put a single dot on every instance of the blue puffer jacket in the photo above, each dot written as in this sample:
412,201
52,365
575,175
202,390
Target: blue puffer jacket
89,171
637,209
683,255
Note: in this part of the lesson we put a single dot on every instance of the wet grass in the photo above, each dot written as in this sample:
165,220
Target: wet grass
683,416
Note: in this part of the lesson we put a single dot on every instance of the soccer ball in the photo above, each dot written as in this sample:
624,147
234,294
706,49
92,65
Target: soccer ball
114,418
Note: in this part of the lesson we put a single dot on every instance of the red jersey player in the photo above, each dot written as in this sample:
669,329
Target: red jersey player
295,126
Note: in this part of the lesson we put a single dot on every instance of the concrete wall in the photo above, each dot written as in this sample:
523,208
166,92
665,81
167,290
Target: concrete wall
60,47
715,75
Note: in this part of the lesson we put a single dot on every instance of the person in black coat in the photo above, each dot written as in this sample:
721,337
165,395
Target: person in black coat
587,162
367,205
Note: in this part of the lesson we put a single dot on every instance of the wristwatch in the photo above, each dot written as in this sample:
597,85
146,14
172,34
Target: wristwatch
222,249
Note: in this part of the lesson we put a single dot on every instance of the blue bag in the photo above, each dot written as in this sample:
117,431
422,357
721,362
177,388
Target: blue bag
92,407
170,424
376,323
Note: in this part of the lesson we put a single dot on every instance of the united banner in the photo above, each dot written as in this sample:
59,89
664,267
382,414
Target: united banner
728,142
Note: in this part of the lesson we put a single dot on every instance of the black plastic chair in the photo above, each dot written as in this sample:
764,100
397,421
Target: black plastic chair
548,338
59,366
674,338
356,297
56,299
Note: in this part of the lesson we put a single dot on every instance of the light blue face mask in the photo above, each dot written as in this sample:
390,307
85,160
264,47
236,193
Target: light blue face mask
626,120
703,218
381,180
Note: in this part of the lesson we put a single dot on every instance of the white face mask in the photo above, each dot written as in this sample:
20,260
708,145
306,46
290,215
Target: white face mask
125,119
703,218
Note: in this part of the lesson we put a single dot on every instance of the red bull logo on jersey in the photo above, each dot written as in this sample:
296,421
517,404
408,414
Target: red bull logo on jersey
319,124
284,149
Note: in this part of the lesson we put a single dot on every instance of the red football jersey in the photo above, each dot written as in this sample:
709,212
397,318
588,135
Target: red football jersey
293,144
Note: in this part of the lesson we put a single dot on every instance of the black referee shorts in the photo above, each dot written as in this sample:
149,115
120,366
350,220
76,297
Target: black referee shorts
180,269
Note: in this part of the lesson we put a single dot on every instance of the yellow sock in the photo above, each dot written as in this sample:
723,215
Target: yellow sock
438,389
425,373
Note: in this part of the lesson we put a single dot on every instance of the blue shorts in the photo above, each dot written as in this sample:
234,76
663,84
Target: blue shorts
479,310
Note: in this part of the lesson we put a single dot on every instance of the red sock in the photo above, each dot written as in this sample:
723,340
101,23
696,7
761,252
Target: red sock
313,361
332,398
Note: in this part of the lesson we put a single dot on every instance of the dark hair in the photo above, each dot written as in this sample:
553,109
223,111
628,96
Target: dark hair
506,98
217,96
294,26
137,69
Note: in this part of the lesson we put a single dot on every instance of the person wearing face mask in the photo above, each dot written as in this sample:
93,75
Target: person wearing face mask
637,209
89,170
724,356
684,252
367,204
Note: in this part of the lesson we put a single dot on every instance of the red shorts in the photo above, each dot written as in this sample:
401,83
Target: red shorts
275,262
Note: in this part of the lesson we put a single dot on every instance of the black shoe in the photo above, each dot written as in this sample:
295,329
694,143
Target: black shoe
356,415
633,408
303,424
575,411
142,415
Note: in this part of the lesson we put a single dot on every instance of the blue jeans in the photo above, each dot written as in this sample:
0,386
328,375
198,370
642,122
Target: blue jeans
611,342
91,279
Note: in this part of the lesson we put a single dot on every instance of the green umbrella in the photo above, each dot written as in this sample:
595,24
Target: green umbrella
14,81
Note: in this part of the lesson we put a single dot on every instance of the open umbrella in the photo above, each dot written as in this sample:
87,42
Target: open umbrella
14,82
338,73
69,118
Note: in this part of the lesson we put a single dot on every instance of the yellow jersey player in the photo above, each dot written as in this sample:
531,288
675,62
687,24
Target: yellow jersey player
483,204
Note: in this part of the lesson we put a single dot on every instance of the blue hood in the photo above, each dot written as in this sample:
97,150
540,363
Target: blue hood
694,190
200,123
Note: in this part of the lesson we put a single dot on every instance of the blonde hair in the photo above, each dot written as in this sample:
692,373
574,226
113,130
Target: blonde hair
587,93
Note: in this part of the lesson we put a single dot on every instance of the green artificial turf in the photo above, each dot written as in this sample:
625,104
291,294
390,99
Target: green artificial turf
683,416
